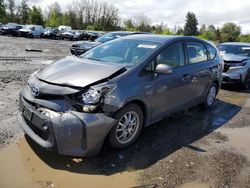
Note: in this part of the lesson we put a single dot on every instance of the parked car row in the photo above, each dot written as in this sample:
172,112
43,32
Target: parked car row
62,32
81,47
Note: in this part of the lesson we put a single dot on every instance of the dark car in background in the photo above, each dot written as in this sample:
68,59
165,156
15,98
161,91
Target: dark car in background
93,35
81,47
84,35
236,57
114,90
1,26
11,29
55,34
47,32
72,35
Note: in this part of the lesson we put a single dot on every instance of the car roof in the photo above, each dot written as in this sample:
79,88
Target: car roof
236,43
158,38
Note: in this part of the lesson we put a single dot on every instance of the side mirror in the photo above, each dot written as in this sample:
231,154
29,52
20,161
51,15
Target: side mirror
163,69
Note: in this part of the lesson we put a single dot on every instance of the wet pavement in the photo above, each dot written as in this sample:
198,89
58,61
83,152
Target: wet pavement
195,148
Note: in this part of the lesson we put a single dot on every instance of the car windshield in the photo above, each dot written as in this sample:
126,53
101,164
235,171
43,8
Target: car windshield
235,49
124,51
11,25
110,36
28,27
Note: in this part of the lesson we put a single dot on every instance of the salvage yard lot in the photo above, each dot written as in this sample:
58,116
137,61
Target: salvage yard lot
194,148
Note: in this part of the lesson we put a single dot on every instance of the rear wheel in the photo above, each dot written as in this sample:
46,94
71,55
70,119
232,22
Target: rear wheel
128,128
211,96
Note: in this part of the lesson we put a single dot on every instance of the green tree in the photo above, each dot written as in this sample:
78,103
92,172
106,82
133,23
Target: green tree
36,16
230,32
129,26
11,9
180,31
244,38
191,25
203,29
211,28
2,10
70,18
24,11
55,17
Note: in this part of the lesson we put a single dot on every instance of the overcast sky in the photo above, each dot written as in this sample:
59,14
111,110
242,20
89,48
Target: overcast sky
172,13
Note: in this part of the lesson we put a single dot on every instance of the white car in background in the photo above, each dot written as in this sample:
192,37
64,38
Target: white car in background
31,31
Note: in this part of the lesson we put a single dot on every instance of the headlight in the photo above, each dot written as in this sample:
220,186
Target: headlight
94,95
91,96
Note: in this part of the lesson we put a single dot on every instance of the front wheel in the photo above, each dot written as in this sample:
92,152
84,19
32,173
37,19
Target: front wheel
246,84
128,128
211,96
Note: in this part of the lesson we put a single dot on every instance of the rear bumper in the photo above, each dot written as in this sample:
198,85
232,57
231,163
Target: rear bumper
71,133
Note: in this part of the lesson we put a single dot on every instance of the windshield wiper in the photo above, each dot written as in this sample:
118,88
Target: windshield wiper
94,59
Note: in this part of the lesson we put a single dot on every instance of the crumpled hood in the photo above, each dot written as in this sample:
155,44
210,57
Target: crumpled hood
232,57
74,71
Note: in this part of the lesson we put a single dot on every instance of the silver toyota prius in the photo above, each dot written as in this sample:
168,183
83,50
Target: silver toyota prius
114,90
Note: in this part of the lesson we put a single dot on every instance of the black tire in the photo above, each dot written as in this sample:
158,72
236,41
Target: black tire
113,140
210,96
246,84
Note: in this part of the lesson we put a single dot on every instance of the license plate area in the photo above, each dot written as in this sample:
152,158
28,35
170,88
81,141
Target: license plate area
27,113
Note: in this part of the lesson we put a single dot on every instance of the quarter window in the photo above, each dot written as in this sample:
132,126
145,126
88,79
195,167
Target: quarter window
196,52
211,52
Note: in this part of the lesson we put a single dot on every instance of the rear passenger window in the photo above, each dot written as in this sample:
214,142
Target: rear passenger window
196,52
211,52
173,56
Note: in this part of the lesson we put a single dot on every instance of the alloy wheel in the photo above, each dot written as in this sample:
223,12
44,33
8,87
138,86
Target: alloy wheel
211,95
127,127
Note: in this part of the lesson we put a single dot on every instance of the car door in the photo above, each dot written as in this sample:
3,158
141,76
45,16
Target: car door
199,69
170,91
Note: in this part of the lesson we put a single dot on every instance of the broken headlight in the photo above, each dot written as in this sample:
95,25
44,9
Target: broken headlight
94,96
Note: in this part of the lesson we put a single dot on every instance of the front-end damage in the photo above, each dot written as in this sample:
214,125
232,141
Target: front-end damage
235,69
69,119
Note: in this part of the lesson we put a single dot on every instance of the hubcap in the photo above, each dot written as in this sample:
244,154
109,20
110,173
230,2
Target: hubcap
211,96
127,127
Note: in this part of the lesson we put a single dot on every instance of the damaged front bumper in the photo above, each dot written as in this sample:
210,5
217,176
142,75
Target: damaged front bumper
70,133
234,75
231,78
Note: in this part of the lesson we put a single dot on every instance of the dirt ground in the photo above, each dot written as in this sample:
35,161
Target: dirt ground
194,149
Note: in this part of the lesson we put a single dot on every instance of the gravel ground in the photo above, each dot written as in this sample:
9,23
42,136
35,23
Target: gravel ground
189,147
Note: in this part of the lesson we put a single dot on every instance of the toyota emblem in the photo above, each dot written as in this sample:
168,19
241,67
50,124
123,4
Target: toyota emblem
35,91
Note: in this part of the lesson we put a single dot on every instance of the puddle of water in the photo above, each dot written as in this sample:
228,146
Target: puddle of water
217,122
21,167
239,139
194,185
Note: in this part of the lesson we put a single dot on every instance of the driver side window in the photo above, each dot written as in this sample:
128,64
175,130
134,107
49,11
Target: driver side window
172,55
